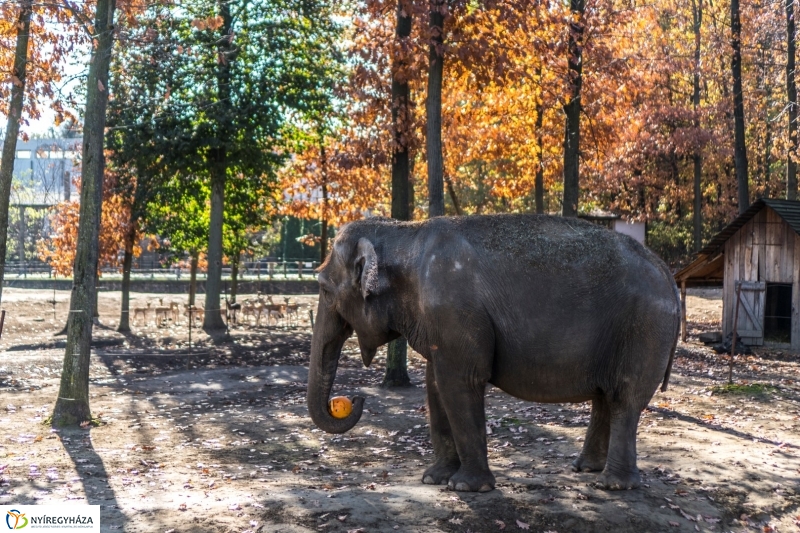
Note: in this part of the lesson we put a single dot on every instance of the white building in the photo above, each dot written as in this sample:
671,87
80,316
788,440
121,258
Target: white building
44,171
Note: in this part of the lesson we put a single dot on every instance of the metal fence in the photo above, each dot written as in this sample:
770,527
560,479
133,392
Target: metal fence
248,270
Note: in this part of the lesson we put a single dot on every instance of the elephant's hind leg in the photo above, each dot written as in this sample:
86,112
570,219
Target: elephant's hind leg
444,447
595,447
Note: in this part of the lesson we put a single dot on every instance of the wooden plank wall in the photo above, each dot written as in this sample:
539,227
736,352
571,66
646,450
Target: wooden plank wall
764,249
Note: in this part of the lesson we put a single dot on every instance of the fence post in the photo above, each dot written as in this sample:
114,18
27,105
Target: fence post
300,269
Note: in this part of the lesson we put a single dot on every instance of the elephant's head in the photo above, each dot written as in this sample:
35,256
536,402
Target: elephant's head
352,297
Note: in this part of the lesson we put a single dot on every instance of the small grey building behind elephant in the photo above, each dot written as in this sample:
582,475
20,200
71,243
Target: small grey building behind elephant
547,309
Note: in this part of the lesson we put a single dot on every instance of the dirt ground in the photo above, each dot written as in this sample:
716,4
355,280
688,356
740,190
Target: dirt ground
217,438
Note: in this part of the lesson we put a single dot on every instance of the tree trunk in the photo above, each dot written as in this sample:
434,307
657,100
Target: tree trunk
396,352
791,93
323,238
539,177
452,192
235,277
12,127
127,262
697,158
219,169
397,364
193,277
72,405
572,110
433,111
739,149
21,236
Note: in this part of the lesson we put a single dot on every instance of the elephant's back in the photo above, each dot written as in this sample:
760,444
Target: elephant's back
543,242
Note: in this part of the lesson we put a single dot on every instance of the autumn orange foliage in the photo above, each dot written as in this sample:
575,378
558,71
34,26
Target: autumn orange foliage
59,248
505,85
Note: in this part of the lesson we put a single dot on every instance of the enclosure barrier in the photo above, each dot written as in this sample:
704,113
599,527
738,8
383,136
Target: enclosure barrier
248,270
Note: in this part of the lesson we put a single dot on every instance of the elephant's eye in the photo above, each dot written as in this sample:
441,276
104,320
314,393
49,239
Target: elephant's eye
327,296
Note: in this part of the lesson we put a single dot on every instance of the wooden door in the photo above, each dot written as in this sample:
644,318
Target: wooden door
750,326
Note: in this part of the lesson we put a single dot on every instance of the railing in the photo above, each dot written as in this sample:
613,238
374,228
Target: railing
249,270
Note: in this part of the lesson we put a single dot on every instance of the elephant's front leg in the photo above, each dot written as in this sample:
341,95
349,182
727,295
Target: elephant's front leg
461,389
444,447
595,447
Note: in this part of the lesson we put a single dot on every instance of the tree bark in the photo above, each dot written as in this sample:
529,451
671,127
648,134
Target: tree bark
12,127
572,110
235,277
193,277
72,405
323,238
219,169
739,149
21,235
452,192
433,111
539,177
127,262
397,351
766,47
791,93
697,158
212,319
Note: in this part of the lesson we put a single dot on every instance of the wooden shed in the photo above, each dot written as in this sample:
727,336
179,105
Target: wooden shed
757,256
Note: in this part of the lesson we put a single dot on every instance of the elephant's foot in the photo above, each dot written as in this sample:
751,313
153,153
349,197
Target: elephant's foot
615,481
471,481
586,463
440,472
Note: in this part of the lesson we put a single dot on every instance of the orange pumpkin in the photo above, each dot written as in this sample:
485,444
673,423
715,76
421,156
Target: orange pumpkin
340,406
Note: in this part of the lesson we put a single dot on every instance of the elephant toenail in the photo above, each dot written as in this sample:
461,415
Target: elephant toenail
486,487
462,486
428,480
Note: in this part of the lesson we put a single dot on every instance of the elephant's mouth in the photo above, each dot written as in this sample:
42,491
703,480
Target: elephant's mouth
367,354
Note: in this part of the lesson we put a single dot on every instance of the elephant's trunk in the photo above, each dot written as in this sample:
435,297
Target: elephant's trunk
330,333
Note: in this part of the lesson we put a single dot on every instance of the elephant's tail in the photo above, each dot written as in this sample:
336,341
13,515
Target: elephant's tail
674,343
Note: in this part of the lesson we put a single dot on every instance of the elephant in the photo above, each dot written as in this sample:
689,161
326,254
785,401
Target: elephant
547,309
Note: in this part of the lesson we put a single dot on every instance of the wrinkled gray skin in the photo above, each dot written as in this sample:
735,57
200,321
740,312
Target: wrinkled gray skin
545,308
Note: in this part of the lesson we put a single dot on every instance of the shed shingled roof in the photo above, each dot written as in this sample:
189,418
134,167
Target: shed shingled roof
789,211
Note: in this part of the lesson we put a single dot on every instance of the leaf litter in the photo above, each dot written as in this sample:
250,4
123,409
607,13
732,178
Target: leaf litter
229,441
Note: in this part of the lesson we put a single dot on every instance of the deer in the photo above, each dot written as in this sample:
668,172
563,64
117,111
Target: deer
273,310
192,311
291,311
141,311
249,309
162,313
233,308
274,314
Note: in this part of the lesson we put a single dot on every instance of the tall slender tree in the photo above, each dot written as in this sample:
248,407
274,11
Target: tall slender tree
791,96
433,109
572,110
19,74
739,147
72,406
397,350
697,157
218,166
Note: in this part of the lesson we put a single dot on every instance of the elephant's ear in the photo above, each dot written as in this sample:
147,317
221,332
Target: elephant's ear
367,262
